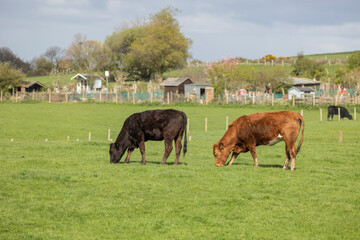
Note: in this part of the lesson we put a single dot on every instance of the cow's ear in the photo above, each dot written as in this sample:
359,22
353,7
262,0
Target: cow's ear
221,146
214,146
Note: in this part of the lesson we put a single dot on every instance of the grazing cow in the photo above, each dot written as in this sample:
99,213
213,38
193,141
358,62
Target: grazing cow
333,110
268,128
168,125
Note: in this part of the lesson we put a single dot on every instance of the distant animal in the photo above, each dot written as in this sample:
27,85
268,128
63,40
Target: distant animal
252,130
333,110
168,125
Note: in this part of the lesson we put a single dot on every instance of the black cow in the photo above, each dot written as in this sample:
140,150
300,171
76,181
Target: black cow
168,125
333,110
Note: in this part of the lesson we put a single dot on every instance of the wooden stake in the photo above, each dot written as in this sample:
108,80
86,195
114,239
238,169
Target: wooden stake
340,136
68,138
354,113
168,98
109,135
188,125
302,112
206,124
89,136
320,114
272,99
339,114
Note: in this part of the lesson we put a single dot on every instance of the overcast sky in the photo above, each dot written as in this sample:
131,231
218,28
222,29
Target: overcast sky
243,28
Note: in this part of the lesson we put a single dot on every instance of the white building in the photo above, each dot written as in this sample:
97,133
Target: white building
87,82
299,92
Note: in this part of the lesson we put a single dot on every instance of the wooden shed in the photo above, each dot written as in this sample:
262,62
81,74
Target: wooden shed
28,86
175,85
300,92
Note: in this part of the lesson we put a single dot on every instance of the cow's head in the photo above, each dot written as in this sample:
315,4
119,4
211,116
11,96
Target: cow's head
221,153
116,152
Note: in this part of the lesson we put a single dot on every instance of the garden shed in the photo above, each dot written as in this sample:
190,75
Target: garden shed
29,86
87,82
202,90
174,85
300,92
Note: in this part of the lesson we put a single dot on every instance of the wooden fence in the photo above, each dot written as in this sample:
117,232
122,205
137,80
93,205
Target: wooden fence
134,98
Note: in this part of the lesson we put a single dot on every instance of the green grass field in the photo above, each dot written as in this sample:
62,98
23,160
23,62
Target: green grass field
63,189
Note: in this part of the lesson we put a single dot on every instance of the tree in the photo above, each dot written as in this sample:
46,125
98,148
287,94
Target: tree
10,77
85,55
163,46
54,54
305,67
6,55
354,60
41,67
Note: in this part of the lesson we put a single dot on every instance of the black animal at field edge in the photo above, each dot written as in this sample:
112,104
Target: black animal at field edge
168,125
333,110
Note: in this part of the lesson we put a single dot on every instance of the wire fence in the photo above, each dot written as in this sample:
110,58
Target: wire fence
158,96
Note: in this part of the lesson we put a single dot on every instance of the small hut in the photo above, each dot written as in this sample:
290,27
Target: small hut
175,85
300,92
29,86
87,82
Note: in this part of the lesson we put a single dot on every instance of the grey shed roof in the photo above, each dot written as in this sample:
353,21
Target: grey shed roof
173,82
303,89
305,81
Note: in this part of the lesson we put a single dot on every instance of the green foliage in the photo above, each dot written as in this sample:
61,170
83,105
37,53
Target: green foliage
229,74
308,68
9,76
68,189
151,48
354,60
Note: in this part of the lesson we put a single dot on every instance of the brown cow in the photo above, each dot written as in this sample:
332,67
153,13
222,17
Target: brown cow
268,128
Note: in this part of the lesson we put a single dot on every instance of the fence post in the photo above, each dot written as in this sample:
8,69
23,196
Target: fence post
133,97
188,125
151,97
354,113
206,124
89,136
320,114
168,98
314,99
66,97
116,98
293,99
340,136
339,114
1,96
109,135
302,112
272,99
16,96
33,95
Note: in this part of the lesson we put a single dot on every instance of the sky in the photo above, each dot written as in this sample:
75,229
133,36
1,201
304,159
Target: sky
243,28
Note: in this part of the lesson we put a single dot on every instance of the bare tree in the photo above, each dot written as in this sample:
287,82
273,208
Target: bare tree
54,54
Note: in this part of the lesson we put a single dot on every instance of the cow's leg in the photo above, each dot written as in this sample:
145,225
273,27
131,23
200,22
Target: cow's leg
287,154
254,155
142,151
178,147
291,154
168,149
127,159
234,155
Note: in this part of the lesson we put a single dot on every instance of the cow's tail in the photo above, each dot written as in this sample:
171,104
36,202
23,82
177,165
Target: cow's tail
185,130
301,122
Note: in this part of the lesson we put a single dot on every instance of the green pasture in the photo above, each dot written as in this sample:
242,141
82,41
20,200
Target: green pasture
59,189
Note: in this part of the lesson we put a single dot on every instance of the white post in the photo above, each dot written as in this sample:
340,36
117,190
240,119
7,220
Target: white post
188,125
354,113
89,136
340,136
302,112
108,134
206,124
272,99
320,114
339,114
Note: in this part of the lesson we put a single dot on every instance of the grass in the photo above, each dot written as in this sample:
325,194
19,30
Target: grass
68,190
